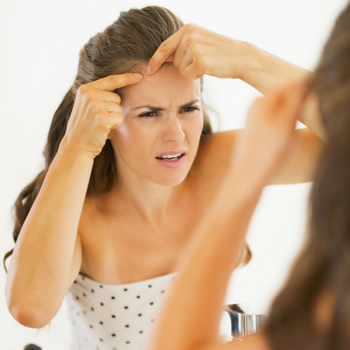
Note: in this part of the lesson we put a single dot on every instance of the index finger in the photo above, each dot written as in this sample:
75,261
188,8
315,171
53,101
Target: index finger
166,49
112,82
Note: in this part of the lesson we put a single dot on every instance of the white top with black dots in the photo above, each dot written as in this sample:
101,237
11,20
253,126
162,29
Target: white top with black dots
115,316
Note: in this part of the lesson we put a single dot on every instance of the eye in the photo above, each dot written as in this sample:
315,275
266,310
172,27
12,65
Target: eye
148,115
190,109
154,114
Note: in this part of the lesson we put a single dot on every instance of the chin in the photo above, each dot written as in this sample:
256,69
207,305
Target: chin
167,176
169,179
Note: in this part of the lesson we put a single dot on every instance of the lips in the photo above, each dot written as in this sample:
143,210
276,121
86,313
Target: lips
171,152
174,161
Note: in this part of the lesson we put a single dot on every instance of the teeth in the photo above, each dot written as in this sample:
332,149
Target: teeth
172,156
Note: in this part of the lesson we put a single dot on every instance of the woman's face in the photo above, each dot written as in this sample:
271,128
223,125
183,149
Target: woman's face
161,113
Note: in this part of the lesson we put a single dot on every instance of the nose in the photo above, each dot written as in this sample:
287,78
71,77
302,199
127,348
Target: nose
173,131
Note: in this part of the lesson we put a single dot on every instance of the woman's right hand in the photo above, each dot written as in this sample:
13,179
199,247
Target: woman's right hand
96,111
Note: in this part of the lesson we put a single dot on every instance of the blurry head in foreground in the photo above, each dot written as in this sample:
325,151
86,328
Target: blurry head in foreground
313,309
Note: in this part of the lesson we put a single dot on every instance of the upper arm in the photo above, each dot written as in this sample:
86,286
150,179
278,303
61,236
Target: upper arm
215,154
300,163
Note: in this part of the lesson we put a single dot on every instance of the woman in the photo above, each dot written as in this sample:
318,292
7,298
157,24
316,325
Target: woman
107,217
313,309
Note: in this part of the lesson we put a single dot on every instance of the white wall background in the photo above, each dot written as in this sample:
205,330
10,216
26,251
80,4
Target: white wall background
40,41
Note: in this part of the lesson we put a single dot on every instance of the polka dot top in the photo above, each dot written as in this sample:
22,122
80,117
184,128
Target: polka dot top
115,316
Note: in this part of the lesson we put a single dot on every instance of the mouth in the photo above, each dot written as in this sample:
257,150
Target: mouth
172,158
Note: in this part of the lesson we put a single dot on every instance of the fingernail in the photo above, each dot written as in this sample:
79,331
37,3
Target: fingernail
138,75
148,70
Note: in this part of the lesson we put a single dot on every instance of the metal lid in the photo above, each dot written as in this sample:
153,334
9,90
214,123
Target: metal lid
246,319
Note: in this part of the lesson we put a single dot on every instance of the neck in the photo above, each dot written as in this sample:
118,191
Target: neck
148,200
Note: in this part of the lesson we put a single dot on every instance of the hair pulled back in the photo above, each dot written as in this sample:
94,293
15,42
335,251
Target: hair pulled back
324,263
122,47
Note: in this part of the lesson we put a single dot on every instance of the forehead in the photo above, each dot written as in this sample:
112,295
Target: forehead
166,87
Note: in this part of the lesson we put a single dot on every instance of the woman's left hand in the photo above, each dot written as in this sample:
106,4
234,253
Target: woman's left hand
196,51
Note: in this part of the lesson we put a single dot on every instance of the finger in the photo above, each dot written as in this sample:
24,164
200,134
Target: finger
166,48
111,107
185,62
170,58
114,120
179,54
107,96
191,72
113,82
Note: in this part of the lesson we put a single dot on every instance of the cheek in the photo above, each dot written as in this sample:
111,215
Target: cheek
132,134
124,132
195,127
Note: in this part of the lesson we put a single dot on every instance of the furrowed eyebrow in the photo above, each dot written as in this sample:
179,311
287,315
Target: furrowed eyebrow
157,109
